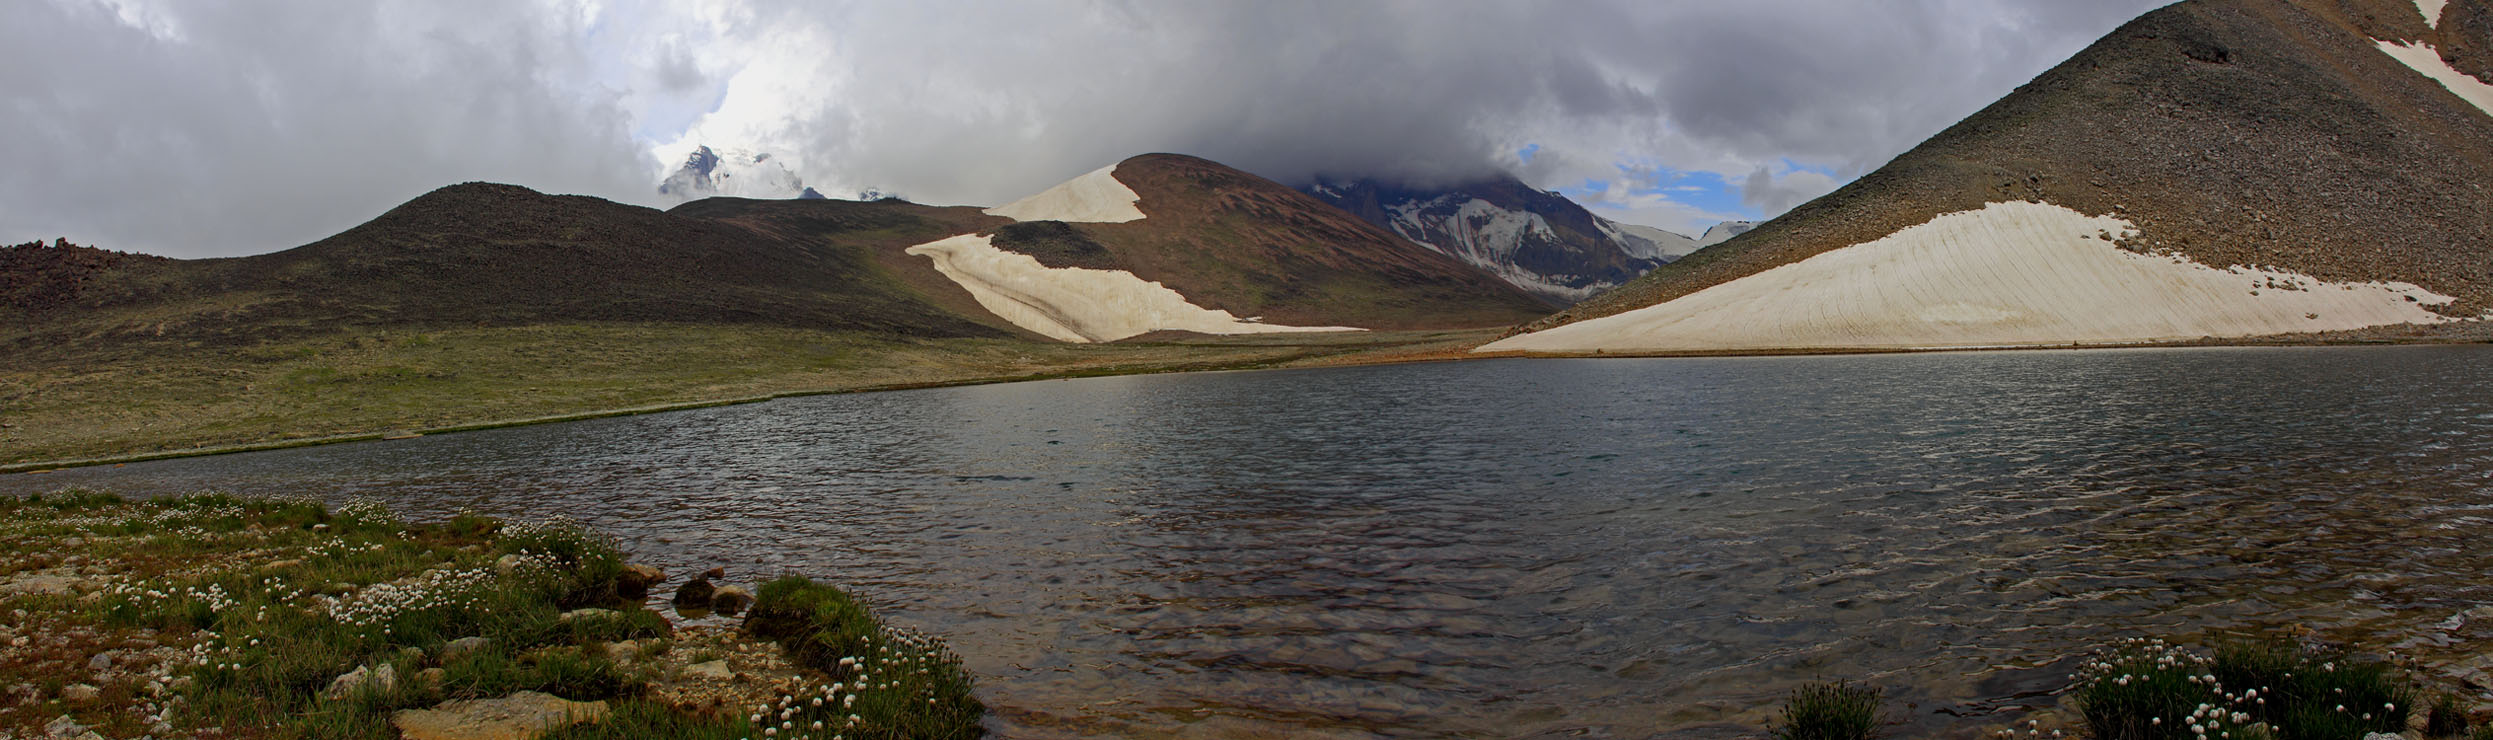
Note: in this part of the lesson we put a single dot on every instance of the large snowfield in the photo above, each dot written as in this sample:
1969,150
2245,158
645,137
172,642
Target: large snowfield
1076,304
2008,274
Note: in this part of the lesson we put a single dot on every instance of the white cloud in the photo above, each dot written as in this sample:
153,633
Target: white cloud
198,129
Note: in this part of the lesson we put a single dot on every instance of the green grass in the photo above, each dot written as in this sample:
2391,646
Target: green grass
2445,718
1830,711
135,398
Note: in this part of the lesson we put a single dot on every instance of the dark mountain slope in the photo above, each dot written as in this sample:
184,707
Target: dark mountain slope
485,254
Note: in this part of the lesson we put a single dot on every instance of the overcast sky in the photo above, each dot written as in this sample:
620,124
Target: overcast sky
213,128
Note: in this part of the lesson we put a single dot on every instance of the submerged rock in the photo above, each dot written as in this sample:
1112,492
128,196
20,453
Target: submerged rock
694,594
731,600
636,581
519,716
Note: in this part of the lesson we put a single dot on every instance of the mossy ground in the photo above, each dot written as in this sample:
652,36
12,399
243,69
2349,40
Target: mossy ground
178,616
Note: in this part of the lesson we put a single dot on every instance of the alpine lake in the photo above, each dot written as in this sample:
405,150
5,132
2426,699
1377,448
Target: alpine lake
1534,548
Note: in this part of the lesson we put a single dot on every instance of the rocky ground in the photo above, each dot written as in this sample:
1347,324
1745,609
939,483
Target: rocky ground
215,617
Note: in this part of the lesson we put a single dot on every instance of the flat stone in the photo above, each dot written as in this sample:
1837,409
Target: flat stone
713,669
41,584
519,716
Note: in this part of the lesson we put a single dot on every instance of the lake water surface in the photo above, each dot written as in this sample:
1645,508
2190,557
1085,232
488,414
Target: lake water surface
1607,548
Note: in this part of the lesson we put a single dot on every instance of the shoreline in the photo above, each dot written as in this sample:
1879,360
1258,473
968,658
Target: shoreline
1348,359
39,467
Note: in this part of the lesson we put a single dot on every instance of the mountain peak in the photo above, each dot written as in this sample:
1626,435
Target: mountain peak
1534,239
734,173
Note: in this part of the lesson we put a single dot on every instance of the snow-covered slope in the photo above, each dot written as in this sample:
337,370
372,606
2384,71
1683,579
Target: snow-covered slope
1078,304
1095,197
2140,191
1536,240
2009,274
1074,304
733,173
2424,59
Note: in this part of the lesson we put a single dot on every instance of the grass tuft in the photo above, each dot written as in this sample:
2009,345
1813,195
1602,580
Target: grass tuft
2268,687
1830,711
888,683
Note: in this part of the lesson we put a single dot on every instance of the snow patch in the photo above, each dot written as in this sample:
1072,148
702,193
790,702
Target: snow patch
1095,197
2423,58
2432,11
1077,304
2008,274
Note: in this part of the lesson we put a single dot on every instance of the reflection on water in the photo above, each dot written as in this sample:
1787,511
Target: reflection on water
1550,547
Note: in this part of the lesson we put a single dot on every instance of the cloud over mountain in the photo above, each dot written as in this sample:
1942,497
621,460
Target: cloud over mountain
192,129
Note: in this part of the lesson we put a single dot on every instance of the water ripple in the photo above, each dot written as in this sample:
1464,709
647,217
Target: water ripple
1534,548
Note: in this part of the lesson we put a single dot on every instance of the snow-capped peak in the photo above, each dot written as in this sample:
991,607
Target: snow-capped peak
734,173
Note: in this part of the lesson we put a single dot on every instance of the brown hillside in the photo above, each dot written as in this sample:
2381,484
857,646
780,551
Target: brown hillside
487,254
1237,242
2236,132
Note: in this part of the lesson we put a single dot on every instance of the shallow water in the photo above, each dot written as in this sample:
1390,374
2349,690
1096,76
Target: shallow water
1607,548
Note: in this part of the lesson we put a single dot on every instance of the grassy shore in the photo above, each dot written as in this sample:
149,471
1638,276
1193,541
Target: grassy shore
251,618
169,398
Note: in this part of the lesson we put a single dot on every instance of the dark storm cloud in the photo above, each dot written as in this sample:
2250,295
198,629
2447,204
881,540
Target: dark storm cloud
236,127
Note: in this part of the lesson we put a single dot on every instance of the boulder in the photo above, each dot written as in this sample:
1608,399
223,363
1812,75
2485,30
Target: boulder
453,649
636,581
694,594
519,716
383,678
590,613
64,726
